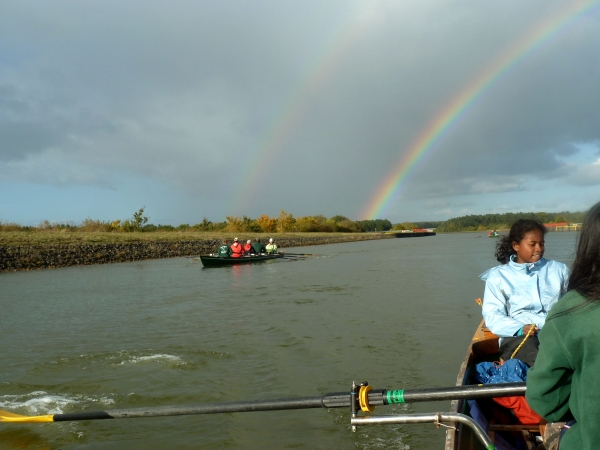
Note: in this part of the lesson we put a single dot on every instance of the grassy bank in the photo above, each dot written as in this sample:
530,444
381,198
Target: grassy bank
42,250
16,238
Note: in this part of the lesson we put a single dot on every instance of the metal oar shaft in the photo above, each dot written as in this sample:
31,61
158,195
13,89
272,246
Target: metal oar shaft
206,408
332,400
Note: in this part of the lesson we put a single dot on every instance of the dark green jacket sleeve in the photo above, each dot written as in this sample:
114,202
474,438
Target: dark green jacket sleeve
549,381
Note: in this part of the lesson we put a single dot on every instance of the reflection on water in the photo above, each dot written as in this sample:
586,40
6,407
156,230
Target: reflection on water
398,313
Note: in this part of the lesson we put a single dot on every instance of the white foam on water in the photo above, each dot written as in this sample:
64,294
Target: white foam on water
42,403
121,357
160,358
36,403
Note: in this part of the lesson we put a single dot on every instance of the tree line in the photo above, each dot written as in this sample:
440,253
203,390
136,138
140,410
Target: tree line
284,223
504,221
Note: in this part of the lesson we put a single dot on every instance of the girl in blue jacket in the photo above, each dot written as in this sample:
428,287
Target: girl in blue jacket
520,292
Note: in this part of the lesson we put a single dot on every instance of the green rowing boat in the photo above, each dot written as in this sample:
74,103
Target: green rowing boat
216,261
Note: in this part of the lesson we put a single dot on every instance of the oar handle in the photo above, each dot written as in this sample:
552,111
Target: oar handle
473,391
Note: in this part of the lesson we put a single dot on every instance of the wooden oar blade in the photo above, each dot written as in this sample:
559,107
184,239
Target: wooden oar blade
6,416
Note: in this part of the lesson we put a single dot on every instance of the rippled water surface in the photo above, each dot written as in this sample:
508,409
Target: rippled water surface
398,313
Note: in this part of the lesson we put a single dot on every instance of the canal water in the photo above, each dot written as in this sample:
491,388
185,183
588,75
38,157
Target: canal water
398,313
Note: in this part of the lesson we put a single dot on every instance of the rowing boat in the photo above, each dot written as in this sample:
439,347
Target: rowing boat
501,426
216,261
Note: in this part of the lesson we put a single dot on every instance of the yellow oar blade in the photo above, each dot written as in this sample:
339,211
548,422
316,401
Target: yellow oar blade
6,416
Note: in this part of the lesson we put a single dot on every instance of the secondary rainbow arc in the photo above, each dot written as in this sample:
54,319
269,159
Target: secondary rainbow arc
291,113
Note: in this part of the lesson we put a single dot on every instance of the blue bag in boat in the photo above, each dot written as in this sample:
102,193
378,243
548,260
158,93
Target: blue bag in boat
512,371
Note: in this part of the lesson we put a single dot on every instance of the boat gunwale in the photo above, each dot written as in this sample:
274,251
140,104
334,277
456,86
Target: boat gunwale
484,342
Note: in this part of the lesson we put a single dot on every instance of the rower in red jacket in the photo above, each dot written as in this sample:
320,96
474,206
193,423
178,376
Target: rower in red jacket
236,249
248,247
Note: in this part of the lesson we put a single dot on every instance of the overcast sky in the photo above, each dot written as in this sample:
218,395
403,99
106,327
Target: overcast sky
212,108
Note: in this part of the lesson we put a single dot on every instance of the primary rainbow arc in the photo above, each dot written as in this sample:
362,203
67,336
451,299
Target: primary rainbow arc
447,116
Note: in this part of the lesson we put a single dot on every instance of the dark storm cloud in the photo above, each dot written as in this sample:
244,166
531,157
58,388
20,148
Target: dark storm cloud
188,94
181,91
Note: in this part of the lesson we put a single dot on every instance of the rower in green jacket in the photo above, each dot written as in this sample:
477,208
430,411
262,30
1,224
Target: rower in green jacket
224,250
258,247
563,385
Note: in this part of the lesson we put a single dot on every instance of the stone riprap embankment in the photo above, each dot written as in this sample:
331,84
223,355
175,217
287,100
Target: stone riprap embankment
28,257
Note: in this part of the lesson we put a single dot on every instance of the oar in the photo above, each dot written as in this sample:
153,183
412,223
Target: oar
333,400
300,254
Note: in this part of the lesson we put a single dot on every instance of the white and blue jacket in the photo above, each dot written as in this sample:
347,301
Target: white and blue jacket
521,294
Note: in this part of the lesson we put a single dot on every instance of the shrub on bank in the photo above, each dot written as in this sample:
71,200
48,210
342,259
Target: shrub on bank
10,226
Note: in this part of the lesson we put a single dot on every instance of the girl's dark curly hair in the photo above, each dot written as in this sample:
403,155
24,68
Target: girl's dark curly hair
585,276
504,248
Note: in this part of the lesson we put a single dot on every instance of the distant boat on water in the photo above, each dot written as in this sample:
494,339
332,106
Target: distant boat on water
493,234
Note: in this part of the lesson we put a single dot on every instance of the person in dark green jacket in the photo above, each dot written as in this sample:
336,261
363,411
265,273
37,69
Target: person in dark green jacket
564,384
224,250
258,247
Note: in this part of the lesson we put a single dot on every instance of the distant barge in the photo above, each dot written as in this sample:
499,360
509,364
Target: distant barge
415,232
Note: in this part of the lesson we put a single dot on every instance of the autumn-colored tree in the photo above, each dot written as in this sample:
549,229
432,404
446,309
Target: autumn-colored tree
234,224
94,225
347,226
251,225
205,225
405,226
139,218
308,224
136,223
267,224
285,222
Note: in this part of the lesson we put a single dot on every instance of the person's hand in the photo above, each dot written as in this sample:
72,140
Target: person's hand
526,329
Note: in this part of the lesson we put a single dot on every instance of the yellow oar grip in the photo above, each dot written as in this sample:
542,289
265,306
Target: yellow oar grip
6,416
